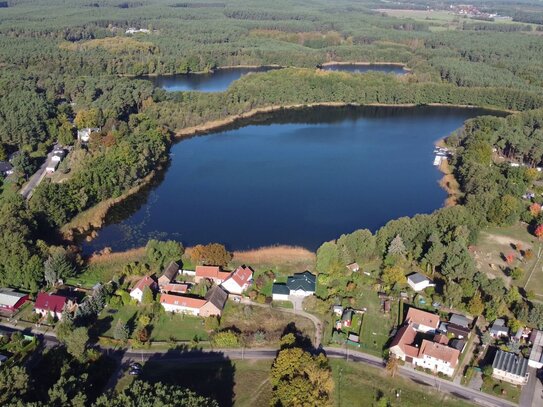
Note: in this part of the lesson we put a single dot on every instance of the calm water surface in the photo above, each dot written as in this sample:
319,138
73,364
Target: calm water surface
297,178
217,81
221,79
353,68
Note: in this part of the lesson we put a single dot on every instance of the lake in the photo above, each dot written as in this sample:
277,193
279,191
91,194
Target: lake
217,81
220,79
354,68
293,177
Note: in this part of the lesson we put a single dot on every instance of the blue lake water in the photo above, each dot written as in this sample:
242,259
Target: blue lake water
217,81
354,68
298,178
221,79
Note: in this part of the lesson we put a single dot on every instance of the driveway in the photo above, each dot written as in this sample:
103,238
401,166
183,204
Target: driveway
532,392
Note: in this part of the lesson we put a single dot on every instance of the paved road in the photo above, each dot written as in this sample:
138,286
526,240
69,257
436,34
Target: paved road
530,396
209,355
28,188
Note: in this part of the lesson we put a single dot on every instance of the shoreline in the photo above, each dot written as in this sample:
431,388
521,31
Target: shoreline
91,220
271,67
86,223
218,124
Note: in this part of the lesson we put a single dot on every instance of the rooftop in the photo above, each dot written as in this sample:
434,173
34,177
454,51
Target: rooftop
50,302
303,281
217,296
9,297
460,320
417,278
420,317
510,363
171,271
182,301
537,348
242,275
440,352
146,281
280,288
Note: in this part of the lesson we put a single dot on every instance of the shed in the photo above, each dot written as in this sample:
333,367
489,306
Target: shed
460,320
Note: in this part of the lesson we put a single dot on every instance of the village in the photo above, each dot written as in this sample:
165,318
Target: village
465,349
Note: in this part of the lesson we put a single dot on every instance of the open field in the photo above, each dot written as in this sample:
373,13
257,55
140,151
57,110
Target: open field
240,383
362,385
250,319
496,243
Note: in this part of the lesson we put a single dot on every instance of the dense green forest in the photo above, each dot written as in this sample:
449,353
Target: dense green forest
71,64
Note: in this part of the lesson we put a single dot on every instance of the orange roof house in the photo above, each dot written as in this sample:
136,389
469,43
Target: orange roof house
439,352
423,321
213,273
239,280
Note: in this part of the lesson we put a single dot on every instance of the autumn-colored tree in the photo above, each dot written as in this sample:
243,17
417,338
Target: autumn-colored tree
528,254
535,209
392,365
301,379
510,258
214,254
476,305
539,231
393,275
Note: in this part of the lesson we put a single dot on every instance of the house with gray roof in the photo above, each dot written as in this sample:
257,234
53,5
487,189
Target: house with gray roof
510,368
460,320
300,285
498,329
169,274
418,281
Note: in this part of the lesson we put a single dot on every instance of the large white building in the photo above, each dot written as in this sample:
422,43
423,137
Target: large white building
510,368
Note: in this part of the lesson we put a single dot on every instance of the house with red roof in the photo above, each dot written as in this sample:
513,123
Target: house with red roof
239,280
422,321
50,304
137,291
213,273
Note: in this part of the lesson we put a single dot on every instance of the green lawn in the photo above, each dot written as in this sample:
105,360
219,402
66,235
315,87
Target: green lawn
165,326
501,389
376,325
357,384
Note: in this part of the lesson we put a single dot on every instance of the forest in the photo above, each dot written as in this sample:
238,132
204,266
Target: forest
67,65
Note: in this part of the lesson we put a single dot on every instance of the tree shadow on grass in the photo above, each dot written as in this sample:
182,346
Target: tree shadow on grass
210,374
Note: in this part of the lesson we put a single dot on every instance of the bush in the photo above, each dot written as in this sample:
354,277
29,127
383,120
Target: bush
226,339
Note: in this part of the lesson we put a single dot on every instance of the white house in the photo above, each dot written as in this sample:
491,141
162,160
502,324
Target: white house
437,357
182,304
418,281
498,329
137,291
239,280
84,134
510,367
